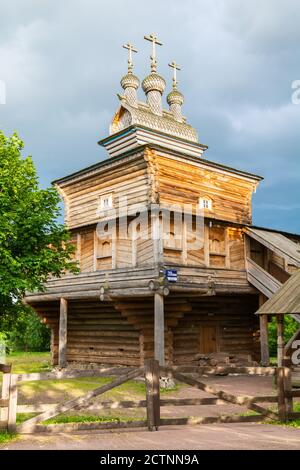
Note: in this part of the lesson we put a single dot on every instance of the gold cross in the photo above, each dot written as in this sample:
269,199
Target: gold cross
153,38
175,67
130,49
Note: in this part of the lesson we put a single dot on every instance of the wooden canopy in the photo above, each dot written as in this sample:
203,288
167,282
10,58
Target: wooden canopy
286,300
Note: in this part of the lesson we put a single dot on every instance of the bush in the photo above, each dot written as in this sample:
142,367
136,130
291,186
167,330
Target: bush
25,332
290,327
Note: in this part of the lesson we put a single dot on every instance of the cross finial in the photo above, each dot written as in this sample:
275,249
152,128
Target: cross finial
130,49
175,67
153,38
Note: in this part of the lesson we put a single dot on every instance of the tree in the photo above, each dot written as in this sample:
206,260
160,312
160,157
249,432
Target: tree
33,244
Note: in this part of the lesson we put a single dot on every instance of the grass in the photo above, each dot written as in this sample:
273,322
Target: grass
56,391
6,437
29,362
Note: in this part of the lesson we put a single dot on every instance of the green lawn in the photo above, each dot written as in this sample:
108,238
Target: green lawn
57,391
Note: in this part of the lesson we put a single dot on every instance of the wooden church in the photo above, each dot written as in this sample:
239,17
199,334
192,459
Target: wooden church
170,264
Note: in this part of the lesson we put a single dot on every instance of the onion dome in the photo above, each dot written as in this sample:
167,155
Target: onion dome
154,82
175,97
130,81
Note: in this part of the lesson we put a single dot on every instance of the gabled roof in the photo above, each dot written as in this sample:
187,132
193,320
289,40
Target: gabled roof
286,300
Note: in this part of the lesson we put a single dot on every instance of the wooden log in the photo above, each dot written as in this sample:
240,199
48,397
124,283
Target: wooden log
12,404
211,420
281,394
287,388
264,340
159,329
73,374
70,404
63,315
73,427
280,340
5,394
152,392
292,393
240,400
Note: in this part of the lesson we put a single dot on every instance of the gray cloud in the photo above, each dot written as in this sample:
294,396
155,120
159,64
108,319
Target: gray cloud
62,62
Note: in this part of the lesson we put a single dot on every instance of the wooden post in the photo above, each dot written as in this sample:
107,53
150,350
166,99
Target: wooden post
287,388
156,227
5,395
264,340
62,348
12,404
280,340
159,329
152,394
281,394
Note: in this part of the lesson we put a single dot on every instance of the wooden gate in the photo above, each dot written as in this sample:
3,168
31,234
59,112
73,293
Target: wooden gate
153,402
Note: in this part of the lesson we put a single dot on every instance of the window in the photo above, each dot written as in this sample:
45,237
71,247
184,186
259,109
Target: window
106,202
205,203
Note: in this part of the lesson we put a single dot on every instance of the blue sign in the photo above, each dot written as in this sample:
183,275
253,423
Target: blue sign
171,275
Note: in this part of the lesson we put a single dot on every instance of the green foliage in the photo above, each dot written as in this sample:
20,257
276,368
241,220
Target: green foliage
33,245
27,333
290,327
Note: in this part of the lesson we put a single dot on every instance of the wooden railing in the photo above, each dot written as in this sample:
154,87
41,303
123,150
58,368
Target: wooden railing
151,372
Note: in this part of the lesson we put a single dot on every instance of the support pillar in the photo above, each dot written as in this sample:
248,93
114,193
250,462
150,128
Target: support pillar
62,346
159,329
264,340
280,340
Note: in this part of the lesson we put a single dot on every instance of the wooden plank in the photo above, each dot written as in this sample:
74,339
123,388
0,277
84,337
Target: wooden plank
278,243
152,393
211,420
159,329
104,405
264,340
212,401
70,404
241,400
287,388
73,374
5,395
12,405
207,370
292,393
281,394
73,427
63,316
261,279
280,340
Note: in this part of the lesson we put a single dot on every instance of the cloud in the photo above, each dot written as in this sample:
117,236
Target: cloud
62,63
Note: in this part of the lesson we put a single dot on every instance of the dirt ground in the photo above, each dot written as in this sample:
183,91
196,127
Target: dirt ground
208,437
218,436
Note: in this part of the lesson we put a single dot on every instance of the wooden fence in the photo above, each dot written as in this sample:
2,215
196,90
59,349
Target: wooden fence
152,402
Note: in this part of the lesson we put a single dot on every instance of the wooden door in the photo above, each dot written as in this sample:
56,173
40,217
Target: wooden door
208,339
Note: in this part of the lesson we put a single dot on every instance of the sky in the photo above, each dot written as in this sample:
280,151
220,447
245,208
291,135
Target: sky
62,61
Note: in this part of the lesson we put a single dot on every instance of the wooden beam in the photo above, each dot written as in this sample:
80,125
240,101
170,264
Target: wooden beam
281,394
31,423
264,340
159,329
152,394
5,396
62,348
12,404
280,340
